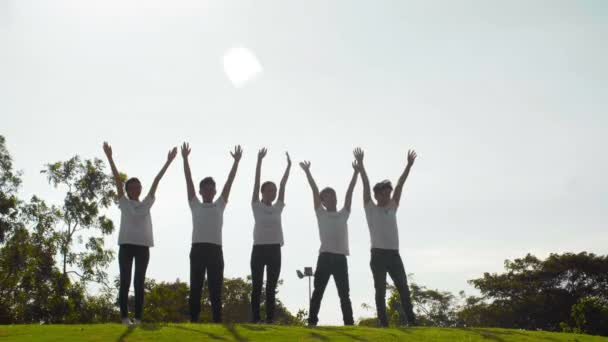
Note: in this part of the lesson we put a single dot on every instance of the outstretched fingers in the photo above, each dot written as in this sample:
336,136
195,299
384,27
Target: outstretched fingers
238,153
185,150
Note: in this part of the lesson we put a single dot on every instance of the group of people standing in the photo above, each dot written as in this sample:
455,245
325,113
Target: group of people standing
206,256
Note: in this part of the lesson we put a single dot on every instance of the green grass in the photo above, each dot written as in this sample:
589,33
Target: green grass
248,332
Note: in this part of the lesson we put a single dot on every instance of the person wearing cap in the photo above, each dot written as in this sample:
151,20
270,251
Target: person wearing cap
333,231
382,223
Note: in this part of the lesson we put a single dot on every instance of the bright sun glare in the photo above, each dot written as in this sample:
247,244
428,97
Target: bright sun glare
241,66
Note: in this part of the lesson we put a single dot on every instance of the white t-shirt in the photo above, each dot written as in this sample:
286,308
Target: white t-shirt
382,224
333,230
207,220
268,229
135,222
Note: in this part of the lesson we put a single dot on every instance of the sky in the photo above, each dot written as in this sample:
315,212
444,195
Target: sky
505,102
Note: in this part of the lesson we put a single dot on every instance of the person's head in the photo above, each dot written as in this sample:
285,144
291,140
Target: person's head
207,189
382,192
269,192
328,198
133,188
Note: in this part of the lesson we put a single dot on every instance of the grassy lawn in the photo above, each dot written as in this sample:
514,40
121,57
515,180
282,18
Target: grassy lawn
248,332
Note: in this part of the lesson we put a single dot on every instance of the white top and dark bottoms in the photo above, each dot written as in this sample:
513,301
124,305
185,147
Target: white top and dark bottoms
266,252
333,232
206,256
385,258
135,239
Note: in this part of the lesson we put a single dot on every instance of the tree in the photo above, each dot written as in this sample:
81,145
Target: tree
88,190
590,316
9,184
432,307
538,294
165,302
31,287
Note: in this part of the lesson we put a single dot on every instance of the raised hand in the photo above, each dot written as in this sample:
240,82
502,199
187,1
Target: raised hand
281,197
107,149
238,153
305,165
185,150
359,154
288,159
411,157
262,153
187,173
171,155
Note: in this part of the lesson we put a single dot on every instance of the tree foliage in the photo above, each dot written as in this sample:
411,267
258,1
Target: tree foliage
88,190
539,294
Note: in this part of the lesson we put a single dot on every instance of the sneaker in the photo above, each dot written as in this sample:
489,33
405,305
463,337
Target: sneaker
126,321
137,321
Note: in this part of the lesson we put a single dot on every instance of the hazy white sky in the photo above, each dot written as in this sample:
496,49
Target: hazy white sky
505,102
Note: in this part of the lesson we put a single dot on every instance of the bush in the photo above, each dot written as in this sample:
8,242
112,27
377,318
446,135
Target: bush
591,316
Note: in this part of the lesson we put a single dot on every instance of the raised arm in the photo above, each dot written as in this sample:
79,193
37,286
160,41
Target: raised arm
258,171
305,165
411,157
351,186
107,149
284,180
189,184
367,197
170,156
236,155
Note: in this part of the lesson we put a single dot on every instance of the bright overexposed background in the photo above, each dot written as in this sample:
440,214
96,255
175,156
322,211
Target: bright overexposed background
506,103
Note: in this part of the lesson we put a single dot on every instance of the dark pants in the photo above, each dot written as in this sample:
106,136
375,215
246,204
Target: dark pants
389,261
268,256
126,254
206,257
329,264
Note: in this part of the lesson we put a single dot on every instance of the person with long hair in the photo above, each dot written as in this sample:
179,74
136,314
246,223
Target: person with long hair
135,236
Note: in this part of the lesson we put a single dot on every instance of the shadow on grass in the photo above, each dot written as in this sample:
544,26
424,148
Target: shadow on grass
510,333
489,335
404,330
343,333
126,333
253,327
318,337
152,326
209,335
143,326
232,329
